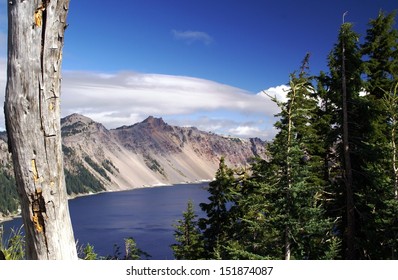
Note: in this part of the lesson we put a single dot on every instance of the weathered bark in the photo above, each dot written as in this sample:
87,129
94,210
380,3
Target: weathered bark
32,109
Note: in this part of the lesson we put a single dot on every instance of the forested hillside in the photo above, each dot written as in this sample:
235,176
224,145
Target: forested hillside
330,187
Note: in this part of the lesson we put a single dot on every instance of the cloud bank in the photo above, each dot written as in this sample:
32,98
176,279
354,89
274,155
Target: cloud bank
125,98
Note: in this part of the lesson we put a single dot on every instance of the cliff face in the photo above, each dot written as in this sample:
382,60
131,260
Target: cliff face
144,154
151,152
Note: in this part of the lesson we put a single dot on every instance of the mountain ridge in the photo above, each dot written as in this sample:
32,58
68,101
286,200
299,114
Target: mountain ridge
163,154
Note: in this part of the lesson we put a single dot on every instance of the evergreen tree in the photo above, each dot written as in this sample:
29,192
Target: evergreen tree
188,236
257,235
283,201
386,220
381,54
9,202
296,155
379,225
330,180
347,132
219,211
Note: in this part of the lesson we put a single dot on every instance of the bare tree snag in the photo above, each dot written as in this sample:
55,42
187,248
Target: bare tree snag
32,109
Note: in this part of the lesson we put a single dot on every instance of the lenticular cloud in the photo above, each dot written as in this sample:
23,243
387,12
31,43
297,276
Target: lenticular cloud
126,97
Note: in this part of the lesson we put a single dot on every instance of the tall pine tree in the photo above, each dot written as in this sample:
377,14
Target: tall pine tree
188,236
347,129
380,53
217,224
293,186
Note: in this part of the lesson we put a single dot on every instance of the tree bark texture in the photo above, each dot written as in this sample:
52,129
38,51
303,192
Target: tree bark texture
32,109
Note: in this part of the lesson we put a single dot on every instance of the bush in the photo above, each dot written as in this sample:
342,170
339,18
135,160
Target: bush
13,247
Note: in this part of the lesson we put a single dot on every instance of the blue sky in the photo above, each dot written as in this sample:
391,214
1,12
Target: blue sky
194,62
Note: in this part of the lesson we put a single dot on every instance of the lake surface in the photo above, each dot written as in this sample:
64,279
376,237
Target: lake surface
146,214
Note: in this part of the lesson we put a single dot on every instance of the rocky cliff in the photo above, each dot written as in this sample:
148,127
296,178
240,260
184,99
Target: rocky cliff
151,152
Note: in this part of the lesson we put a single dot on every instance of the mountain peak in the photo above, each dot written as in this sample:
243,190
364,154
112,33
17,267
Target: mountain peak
158,122
73,118
76,123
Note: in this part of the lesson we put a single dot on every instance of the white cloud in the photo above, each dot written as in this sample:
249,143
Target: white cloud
279,92
125,98
245,131
239,126
192,36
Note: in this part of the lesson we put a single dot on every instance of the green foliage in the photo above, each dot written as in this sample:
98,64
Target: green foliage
97,168
13,247
89,253
154,165
9,201
109,166
254,237
75,128
67,151
131,252
187,234
82,181
217,225
334,251
379,231
348,139
381,56
294,185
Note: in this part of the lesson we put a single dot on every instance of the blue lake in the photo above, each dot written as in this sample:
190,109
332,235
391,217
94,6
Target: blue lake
146,214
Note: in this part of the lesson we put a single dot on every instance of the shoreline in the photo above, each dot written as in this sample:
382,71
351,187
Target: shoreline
15,216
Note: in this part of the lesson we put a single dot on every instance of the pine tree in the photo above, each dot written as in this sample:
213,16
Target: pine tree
219,211
253,234
308,227
290,185
387,220
381,53
346,133
370,144
188,236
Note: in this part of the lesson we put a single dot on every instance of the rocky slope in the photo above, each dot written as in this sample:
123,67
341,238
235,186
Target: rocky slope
151,152
144,154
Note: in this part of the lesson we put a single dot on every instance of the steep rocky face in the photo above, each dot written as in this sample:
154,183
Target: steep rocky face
144,154
154,136
151,152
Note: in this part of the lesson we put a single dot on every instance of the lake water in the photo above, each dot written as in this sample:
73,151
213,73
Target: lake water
146,214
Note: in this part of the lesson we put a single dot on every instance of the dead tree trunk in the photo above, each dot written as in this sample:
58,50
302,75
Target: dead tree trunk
32,109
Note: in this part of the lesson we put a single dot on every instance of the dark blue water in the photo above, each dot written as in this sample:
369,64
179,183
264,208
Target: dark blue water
146,214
